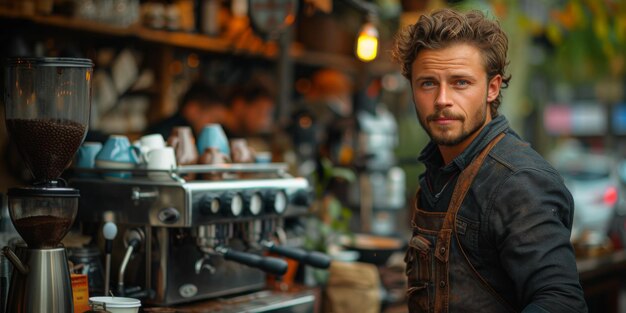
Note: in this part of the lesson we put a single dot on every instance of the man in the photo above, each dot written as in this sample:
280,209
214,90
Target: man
250,107
202,104
492,222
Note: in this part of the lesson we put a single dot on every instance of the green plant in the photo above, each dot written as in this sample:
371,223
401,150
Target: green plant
331,219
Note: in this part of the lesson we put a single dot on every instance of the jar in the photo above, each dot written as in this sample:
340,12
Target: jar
89,257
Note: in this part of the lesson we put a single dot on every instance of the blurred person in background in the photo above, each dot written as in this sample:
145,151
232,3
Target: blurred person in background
250,107
492,218
202,104
250,114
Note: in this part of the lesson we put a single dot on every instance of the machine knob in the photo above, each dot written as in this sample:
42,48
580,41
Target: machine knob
253,203
232,204
169,215
210,204
276,201
302,197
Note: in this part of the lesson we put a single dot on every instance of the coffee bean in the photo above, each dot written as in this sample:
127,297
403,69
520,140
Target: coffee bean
47,145
43,231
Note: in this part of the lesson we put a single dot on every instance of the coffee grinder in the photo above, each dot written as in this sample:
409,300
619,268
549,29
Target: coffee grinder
47,105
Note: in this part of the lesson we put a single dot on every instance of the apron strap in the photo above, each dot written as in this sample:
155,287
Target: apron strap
466,178
483,281
444,238
415,207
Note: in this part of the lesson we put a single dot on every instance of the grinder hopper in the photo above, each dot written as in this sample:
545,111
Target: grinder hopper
47,106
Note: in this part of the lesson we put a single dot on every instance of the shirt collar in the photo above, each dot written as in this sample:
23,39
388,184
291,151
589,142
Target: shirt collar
431,157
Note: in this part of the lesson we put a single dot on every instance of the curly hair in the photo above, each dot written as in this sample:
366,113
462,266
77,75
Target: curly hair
445,27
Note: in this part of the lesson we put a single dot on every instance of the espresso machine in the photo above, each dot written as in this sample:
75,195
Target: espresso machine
184,240
47,103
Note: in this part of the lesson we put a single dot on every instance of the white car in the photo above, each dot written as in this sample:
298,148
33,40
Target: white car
593,181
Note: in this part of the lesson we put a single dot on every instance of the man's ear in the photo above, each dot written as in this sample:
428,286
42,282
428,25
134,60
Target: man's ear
493,88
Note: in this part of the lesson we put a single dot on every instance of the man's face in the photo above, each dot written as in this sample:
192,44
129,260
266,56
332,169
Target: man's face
259,116
212,115
200,115
451,93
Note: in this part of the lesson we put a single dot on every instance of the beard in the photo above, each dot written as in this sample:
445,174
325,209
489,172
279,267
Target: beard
450,135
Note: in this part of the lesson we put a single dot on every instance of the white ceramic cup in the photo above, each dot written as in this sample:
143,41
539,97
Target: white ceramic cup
150,142
160,159
118,304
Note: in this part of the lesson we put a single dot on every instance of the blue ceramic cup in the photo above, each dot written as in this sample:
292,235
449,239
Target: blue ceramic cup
86,155
118,153
212,135
263,157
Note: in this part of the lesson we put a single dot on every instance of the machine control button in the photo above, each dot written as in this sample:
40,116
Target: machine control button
209,204
253,203
169,215
232,204
302,197
188,290
276,201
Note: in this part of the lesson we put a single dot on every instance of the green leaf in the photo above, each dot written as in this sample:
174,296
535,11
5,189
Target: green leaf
344,173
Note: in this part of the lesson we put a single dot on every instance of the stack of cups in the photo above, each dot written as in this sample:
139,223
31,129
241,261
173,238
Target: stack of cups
184,144
156,156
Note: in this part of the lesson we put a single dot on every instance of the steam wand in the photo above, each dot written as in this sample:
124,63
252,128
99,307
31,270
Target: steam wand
109,231
134,238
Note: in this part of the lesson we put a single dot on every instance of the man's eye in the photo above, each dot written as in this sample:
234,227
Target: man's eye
462,82
427,84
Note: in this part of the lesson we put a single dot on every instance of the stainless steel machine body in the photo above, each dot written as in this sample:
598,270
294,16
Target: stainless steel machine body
190,231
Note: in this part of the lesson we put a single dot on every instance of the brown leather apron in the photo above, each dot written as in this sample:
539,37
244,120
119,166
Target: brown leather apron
440,277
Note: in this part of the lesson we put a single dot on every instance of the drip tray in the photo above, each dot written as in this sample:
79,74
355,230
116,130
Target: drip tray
262,301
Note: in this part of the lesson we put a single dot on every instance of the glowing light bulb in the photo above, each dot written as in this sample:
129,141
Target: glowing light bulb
367,43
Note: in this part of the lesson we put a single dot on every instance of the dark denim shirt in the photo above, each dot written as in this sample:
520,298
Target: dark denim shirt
514,223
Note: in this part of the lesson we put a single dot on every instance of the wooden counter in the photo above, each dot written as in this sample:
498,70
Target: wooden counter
602,279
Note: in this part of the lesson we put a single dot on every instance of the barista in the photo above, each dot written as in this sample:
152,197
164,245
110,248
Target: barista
250,107
202,104
250,113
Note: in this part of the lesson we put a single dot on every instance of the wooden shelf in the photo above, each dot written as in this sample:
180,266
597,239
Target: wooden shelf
340,61
68,23
176,39
193,41
185,40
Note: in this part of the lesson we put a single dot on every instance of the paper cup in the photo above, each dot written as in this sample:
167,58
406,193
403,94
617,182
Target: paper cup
118,304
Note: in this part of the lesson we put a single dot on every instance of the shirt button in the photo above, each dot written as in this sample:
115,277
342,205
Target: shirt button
442,250
442,284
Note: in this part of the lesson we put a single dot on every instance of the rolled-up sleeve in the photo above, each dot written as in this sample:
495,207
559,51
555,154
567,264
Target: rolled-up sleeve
530,223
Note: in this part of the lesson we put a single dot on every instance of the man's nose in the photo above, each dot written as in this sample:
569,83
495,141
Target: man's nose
443,97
